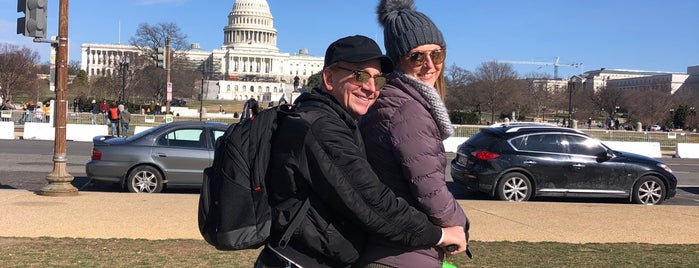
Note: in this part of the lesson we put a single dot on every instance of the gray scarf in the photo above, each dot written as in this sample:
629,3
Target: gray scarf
438,110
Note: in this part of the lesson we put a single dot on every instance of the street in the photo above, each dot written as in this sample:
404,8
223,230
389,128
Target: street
26,163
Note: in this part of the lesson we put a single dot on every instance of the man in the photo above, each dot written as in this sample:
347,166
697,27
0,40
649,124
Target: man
318,166
104,107
124,119
254,106
94,110
113,113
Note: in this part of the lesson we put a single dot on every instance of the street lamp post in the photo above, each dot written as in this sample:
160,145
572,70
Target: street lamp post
570,105
59,180
201,96
572,83
204,73
124,66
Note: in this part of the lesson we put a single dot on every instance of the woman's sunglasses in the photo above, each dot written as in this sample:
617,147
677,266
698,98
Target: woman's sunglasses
418,58
362,77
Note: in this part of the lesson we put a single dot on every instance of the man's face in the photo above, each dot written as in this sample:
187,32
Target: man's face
355,97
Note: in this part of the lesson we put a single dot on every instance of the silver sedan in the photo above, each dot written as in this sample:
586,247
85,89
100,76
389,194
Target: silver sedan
173,155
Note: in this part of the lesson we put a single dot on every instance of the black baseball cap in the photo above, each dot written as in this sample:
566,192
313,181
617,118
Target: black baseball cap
357,48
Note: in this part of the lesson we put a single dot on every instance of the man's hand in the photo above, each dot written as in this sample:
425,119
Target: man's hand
454,237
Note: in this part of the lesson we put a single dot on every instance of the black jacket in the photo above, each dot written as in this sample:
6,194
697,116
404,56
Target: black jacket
320,154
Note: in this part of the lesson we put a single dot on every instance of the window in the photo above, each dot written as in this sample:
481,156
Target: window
538,143
191,138
583,145
217,134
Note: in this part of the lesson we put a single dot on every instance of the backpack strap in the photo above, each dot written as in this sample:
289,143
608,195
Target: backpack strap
295,222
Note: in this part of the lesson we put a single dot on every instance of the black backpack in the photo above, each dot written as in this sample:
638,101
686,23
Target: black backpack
234,212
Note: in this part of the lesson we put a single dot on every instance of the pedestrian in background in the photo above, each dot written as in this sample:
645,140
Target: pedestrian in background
94,110
104,107
113,112
124,119
404,132
47,111
30,111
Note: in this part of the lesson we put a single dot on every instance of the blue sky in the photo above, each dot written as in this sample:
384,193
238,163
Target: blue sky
652,35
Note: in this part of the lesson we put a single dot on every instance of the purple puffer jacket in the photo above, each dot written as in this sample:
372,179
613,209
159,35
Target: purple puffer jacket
403,146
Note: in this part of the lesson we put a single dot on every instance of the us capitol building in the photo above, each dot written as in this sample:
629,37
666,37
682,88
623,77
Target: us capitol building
248,64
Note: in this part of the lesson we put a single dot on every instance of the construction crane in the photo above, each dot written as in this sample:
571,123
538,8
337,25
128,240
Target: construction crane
555,65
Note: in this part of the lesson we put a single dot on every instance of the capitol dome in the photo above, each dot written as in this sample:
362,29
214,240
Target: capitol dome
250,27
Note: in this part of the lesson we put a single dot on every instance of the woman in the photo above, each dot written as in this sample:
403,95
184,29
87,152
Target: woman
404,130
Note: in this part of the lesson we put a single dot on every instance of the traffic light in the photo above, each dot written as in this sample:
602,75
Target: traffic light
161,58
33,24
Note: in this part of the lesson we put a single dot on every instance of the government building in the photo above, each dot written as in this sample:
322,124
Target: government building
247,65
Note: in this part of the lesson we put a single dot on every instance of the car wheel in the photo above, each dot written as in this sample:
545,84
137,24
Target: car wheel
515,186
144,179
649,190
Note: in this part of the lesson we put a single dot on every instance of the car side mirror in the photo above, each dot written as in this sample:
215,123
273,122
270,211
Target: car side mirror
604,156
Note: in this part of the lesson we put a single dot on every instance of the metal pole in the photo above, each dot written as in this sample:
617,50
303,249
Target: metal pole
570,104
123,79
59,180
201,97
167,65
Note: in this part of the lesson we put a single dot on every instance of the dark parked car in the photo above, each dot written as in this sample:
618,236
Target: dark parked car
520,162
172,155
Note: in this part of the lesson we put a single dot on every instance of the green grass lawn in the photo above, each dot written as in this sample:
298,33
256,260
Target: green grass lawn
69,252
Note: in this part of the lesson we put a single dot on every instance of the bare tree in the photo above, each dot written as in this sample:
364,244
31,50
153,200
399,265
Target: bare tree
607,99
149,38
689,96
538,96
457,76
457,79
18,69
152,84
496,81
109,87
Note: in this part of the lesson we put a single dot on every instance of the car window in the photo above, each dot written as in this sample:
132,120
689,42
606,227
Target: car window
583,145
193,138
538,143
482,140
217,134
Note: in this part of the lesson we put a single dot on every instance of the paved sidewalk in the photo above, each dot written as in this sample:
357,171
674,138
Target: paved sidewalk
174,216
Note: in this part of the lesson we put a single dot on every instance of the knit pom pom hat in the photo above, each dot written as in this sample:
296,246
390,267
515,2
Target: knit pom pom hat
405,28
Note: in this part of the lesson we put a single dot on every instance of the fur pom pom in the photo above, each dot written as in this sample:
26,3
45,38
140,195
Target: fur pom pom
386,7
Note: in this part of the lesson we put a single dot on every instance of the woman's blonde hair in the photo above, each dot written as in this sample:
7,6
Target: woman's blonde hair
441,85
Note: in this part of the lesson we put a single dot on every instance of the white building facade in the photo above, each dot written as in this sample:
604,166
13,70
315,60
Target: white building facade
247,65
668,82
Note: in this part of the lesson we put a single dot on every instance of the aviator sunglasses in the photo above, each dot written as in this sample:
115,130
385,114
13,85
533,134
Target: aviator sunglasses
418,58
362,77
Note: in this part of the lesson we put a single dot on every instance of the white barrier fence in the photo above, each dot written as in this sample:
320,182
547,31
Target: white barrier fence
687,150
649,149
451,144
7,130
74,132
84,132
140,129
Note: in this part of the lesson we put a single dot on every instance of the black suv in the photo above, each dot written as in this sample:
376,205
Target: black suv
520,162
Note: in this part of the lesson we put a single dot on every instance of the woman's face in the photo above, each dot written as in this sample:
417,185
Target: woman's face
424,62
